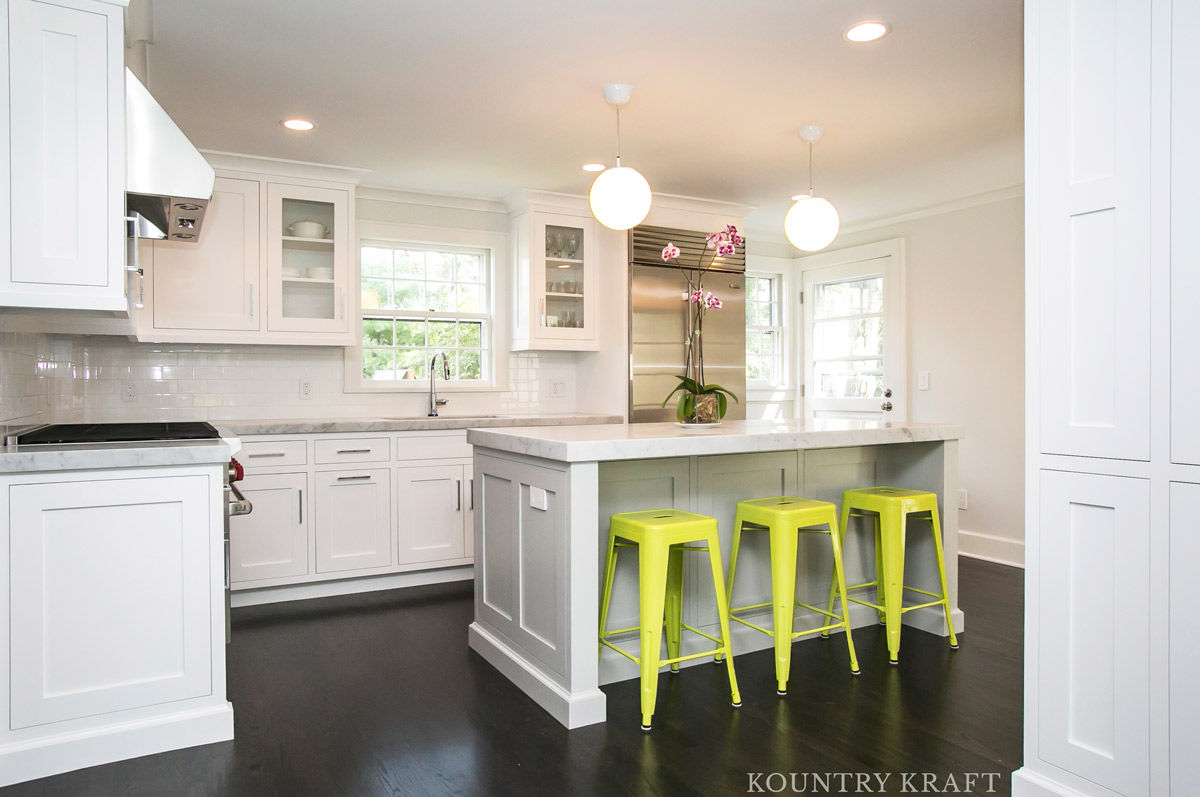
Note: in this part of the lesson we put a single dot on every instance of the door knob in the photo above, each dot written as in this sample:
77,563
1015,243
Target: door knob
886,406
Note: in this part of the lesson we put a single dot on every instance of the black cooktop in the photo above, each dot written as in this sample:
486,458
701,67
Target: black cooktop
118,432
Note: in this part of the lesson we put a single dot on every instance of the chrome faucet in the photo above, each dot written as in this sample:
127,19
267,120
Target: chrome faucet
434,401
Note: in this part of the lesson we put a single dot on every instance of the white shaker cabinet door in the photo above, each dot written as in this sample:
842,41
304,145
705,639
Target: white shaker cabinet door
115,580
1094,255
66,156
1185,239
1093,621
353,519
431,504
215,283
272,541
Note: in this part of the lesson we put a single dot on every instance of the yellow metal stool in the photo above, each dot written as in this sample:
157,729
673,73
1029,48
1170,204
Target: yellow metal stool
660,537
890,507
783,518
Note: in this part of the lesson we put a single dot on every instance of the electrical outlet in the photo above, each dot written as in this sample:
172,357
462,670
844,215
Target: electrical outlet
129,391
962,499
922,380
306,390
558,388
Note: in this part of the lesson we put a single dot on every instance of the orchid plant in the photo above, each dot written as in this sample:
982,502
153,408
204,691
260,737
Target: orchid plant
700,402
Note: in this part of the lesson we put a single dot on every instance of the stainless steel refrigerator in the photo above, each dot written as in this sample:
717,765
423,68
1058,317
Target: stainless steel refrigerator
658,321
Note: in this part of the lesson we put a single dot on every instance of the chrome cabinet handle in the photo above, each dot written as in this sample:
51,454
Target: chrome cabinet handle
343,311
886,406
471,488
300,495
352,478
252,300
354,451
542,311
887,392
458,494
227,578
267,454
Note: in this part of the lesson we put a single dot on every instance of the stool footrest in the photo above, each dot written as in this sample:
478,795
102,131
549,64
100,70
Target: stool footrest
879,607
637,659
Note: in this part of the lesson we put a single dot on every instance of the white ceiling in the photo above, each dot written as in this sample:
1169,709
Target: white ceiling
479,98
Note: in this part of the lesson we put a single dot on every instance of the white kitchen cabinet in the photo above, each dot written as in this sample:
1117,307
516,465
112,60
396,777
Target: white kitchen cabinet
1184,636
431,513
353,528
308,273
272,541
64,166
1185,241
216,283
555,284
113,586
469,515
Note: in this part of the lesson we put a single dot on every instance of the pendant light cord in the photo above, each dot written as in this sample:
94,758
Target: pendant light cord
618,107
810,173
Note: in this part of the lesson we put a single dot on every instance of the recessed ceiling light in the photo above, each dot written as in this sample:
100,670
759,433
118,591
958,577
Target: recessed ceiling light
298,124
594,167
866,32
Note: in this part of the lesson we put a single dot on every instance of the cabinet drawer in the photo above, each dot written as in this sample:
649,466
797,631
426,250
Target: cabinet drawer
433,447
367,449
274,453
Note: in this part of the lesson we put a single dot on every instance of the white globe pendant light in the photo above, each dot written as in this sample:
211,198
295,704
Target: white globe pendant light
620,197
812,223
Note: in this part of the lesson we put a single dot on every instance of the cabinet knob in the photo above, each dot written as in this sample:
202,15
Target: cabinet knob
886,406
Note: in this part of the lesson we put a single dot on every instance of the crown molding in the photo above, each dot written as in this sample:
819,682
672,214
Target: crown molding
282,167
429,199
963,203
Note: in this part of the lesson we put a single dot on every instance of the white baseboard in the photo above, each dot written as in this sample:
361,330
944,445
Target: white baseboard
990,548
53,755
1027,783
349,586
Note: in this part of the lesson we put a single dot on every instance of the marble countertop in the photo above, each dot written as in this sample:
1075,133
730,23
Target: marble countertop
344,425
34,459
655,440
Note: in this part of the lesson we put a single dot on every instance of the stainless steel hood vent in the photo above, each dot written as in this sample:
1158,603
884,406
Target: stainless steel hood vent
168,183
646,245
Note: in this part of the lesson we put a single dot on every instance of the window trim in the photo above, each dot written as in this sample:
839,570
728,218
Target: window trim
785,342
393,233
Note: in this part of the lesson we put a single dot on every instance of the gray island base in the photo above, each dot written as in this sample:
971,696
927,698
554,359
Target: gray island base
542,500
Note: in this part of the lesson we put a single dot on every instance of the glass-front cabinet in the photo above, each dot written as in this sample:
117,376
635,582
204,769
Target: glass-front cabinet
308,262
556,281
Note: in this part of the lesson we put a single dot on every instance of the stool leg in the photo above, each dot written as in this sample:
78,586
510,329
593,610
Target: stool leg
674,603
840,576
941,563
610,565
842,528
652,589
892,533
879,596
783,597
733,557
714,556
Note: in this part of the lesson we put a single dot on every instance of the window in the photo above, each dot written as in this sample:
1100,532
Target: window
418,300
764,330
847,332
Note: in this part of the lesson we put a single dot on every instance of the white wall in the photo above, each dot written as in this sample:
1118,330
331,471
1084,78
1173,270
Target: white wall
965,285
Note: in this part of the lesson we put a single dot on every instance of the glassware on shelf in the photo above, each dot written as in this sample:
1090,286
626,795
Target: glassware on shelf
549,244
558,244
572,245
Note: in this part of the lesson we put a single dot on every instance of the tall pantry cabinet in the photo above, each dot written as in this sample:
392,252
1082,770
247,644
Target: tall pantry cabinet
1112,376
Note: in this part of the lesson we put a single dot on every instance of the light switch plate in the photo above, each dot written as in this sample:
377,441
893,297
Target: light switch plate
538,499
922,380
962,499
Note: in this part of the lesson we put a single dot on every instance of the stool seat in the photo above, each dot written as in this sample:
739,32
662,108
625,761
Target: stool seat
784,518
889,508
660,535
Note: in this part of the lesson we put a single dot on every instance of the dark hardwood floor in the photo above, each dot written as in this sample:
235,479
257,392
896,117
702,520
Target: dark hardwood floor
378,694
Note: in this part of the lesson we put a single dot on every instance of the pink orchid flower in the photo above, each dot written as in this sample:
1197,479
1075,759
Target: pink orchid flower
670,251
725,249
713,239
712,302
697,296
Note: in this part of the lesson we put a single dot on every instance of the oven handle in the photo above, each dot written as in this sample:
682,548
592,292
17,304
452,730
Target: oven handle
239,505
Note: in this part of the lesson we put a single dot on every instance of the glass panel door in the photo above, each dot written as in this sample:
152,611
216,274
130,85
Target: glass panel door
307,274
565,291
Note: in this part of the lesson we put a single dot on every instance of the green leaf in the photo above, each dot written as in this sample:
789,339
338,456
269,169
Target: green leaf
718,389
722,405
679,414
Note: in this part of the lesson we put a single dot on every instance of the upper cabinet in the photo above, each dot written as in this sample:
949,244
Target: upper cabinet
273,264
555,283
308,258
62,181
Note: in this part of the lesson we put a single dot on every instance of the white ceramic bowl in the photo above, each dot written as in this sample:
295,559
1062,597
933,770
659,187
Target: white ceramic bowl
290,271
320,272
307,229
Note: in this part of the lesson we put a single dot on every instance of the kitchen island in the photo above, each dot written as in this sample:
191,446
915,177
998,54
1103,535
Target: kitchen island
542,499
